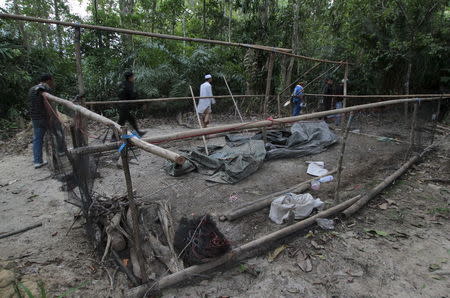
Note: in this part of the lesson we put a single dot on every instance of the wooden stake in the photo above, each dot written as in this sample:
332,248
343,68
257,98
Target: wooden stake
199,121
234,101
413,129
237,253
344,103
341,158
20,231
133,208
267,200
268,82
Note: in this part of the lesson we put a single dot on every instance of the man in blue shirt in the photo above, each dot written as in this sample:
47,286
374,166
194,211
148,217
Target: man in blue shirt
297,99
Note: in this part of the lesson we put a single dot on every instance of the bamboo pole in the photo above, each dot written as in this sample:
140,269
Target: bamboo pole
163,99
20,230
267,200
385,183
199,121
282,51
270,62
249,125
237,253
133,209
380,95
234,101
413,129
167,154
80,81
341,158
296,81
344,103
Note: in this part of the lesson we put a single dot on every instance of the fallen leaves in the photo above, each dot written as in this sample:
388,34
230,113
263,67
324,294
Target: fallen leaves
304,262
273,255
372,232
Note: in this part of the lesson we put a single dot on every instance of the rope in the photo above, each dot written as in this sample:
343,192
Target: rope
128,136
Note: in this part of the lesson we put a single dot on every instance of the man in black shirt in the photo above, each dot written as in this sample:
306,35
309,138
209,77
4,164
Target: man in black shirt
40,119
127,93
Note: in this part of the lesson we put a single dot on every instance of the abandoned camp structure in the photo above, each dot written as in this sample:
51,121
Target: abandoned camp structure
134,216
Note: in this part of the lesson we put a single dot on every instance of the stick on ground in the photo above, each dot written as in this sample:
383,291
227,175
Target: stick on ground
20,231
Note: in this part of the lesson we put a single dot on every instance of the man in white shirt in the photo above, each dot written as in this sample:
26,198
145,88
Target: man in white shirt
204,104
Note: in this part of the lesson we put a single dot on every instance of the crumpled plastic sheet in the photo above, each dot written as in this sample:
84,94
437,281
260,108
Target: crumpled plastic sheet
301,205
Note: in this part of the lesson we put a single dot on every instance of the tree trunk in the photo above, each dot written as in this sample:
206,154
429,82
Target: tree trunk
21,26
126,10
58,27
407,80
99,32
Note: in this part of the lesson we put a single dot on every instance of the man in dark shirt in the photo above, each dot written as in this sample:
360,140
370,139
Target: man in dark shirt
327,90
40,118
127,93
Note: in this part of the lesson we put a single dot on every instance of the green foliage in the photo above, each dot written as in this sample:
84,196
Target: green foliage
381,37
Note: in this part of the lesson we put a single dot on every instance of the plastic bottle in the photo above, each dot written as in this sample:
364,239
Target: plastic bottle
315,184
326,179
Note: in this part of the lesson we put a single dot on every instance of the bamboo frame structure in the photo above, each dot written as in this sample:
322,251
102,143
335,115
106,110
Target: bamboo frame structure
167,154
341,157
281,51
255,124
162,99
199,120
133,209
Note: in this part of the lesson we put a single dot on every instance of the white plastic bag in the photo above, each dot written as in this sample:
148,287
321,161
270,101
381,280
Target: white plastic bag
301,205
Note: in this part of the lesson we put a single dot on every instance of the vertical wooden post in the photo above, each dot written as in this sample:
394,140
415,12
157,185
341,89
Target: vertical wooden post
408,78
279,105
78,63
344,102
234,101
80,83
413,129
199,121
341,158
133,209
268,82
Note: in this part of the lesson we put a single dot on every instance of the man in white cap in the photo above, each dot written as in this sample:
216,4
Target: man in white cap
204,104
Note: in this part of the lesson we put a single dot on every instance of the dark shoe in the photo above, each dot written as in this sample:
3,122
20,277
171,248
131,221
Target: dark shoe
40,165
141,133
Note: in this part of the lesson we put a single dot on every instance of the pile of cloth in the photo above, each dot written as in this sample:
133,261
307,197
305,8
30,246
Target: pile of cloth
244,155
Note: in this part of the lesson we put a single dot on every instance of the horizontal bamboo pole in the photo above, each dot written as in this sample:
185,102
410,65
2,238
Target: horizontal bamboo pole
281,51
267,200
236,253
161,152
162,99
247,125
83,111
380,95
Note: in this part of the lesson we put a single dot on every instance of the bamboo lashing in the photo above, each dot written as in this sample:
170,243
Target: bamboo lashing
161,152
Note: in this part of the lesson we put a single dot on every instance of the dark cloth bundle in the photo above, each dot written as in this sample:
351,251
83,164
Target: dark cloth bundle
199,240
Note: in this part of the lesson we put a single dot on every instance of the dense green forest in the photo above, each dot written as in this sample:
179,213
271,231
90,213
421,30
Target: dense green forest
396,46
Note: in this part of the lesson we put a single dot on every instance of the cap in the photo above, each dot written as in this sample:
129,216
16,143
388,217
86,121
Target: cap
208,76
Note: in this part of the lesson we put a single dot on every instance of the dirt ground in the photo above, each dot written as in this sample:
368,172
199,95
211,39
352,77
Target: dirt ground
398,245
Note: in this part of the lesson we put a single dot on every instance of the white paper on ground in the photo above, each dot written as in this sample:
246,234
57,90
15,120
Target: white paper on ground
316,168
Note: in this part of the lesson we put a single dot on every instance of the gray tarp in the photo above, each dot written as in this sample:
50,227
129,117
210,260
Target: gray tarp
243,155
229,164
305,138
